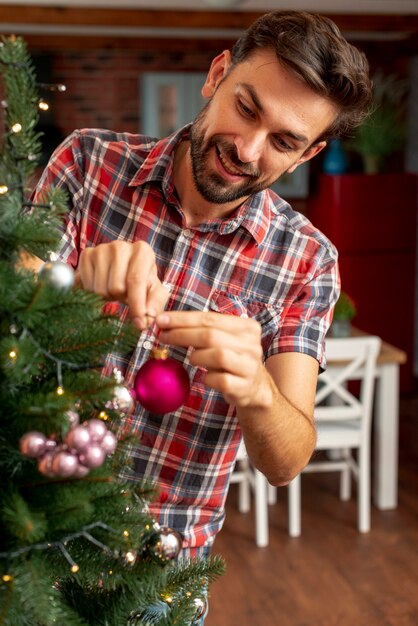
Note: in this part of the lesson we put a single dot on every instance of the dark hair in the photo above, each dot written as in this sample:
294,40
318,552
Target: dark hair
313,48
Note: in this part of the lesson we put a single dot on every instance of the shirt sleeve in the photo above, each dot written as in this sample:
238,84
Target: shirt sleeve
65,170
306,320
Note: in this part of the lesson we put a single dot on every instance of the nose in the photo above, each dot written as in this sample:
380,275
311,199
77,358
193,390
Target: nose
249,146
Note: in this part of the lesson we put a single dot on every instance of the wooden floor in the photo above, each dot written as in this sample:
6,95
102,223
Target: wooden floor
331,575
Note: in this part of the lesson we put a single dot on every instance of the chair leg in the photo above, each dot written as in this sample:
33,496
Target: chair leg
271,494
294,500
345,478
261,510
244,496
363,488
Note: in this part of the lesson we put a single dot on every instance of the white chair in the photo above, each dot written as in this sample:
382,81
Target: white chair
343,424
250,479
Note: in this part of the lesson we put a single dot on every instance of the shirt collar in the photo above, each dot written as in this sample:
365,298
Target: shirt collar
255,214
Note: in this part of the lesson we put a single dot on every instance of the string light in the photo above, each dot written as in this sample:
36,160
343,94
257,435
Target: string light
12,354
7,578
3,189
44,106
60,391
74,568
103,416
126,533
130,557
17,128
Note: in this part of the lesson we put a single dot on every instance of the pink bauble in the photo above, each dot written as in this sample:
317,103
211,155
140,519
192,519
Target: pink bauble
44,464
109,443
78,438
64,464
93,456
81,471
73,418
97,429
33,444
161,384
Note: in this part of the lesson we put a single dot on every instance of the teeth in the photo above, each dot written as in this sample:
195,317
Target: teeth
229,168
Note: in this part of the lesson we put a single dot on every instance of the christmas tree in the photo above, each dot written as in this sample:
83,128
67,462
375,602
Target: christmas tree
78,547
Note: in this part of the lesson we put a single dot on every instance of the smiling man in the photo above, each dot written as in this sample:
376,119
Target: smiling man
186,231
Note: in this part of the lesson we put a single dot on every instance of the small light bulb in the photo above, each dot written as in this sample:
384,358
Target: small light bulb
12,354
168,599
44,106
126,533
61,87
74,568
7,578
3,189
103,416
130,557
60,391
110,572
16,128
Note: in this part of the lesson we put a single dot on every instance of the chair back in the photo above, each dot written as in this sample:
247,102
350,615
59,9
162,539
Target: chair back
349,359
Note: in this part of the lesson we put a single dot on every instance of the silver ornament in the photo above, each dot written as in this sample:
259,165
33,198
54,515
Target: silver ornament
123,399
168,545
57,274
201,607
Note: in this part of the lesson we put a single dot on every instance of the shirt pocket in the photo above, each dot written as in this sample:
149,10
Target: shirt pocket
269,316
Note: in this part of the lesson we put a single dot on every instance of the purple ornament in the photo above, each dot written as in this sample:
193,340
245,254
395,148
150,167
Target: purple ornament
44,464
78,438
64,464
33,444
93,456
109,443
97,429
162,384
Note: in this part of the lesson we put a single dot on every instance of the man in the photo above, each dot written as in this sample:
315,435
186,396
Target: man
186,234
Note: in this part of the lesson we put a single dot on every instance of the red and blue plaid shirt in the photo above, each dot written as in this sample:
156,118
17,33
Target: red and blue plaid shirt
266,261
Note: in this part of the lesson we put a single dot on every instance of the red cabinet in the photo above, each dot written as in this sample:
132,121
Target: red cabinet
372,221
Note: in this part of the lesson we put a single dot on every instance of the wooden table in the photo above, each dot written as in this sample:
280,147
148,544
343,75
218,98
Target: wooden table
386,424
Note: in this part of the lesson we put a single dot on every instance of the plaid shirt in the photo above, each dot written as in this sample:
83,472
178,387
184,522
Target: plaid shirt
265,261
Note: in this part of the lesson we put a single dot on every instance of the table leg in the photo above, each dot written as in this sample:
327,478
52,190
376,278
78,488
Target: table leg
386,426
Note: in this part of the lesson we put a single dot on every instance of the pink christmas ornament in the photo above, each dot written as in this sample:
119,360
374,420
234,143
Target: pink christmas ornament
81,471
64,464
97,429
161,384
109,443
33,444
78,438
44,464
93,456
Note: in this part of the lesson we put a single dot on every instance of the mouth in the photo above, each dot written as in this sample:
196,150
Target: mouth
228,166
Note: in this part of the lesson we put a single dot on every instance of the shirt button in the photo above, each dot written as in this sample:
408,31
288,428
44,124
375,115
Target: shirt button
189,234
147,345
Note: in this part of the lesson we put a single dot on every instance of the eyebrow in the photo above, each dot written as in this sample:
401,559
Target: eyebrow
257,103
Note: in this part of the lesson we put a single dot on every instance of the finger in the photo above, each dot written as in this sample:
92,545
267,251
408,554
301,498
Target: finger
85,269
141,274
207,319
225,360
157,297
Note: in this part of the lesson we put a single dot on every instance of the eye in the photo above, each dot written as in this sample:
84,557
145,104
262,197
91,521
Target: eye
245,110
280,144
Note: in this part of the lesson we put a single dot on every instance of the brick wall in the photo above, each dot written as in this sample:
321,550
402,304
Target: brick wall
103,85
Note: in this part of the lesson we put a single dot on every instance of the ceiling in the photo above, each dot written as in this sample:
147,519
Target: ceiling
399,7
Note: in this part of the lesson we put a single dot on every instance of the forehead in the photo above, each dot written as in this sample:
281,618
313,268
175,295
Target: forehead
284,96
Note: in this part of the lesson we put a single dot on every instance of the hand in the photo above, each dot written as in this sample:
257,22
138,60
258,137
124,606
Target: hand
229,347
126,272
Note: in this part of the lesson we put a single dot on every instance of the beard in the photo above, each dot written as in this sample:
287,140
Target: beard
210,184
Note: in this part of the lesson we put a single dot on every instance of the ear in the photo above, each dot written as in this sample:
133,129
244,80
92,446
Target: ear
308,154
217,71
